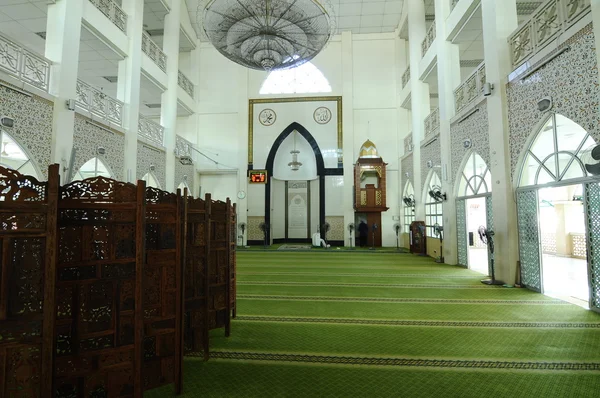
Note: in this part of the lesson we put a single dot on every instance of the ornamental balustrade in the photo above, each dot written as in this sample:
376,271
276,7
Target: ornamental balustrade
429,38
185,83
432,123
406,77
470,89
98,103
547,22
23,64
151,131
408,143
113,12
182,147
153,51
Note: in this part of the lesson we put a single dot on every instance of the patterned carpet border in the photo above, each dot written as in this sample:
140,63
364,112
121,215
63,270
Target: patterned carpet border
385,322
406,362
402,285
401,300
433,276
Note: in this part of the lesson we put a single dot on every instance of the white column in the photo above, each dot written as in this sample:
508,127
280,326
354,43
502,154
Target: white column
499,21
348,140
63,34
168,110
194,76
128,89
448,67
420,105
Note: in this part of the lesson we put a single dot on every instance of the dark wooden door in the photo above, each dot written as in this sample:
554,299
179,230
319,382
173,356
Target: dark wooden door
374,219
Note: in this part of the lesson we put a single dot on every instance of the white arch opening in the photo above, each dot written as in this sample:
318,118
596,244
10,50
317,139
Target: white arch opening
306,78
92,168
151,180
433,209
554,153
409,211
475,178
14,157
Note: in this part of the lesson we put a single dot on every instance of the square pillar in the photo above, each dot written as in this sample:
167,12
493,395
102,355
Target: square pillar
63,35
499,21
128,89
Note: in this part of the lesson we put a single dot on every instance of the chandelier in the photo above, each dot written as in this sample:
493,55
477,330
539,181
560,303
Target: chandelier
294,164
268,34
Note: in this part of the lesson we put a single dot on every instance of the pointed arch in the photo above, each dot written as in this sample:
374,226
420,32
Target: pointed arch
183,185
474,176
151,180
433,210
93,168
553,152
15,157
304,79
408,211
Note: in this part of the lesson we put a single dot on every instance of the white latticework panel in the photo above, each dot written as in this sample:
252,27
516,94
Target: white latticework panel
529,239
592,201
461,230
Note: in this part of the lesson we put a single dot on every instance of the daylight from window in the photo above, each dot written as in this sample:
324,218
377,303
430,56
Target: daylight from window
306,78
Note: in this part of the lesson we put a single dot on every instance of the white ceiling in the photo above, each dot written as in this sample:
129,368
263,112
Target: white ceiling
357,16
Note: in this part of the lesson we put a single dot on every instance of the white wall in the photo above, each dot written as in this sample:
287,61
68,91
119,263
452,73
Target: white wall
220,186
374,113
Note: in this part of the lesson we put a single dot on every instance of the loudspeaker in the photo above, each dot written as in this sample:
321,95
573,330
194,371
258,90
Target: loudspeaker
6,121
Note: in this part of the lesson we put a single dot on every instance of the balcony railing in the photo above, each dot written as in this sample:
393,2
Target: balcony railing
26,66
112,12
408,144
549,20
471,89
429,38
406,77
151,131
182,147
152,50
98,103
432,123
185,83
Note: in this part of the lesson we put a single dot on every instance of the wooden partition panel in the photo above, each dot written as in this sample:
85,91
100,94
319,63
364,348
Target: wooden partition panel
219,307
195,275
99,325
162,282
27,247
232,260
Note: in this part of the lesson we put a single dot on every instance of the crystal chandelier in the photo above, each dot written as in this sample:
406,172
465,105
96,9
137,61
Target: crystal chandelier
294,164
268,34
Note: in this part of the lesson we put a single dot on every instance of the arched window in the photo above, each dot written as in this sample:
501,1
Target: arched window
306,78
151,180
92,168
554,154
476,178
433,208
12,156
409,209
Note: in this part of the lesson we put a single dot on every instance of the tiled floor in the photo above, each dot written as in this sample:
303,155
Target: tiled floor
565,277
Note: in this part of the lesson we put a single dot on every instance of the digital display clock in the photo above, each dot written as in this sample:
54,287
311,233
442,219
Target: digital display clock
258,176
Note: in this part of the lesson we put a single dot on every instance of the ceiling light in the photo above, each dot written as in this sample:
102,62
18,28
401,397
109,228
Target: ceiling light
268,34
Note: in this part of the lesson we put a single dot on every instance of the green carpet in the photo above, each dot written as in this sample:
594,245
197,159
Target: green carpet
364,324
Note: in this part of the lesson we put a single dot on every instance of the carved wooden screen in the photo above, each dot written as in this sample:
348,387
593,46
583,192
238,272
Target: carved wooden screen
162,282
27,249
232,260
219,306
195,275
99,322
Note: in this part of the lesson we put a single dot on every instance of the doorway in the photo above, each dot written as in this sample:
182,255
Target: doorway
477,250
564,243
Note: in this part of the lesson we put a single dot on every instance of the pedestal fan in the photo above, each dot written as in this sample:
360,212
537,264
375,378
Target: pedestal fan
350,230
242,227
397,231
264,227
487,237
